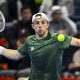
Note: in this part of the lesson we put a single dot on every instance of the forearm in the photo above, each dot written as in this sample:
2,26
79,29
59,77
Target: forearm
75,42
11,54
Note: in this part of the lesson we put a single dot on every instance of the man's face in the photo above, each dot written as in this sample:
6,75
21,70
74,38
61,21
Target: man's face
26,14
40,25
57,16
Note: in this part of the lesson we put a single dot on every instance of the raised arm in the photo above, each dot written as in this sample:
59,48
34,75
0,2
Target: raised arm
11,54
75,42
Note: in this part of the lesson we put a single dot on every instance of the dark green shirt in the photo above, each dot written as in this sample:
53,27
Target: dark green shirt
45,55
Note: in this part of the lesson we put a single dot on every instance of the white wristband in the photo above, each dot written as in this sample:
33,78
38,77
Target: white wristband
1,50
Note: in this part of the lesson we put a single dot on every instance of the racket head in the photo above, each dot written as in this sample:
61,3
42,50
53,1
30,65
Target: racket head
2,22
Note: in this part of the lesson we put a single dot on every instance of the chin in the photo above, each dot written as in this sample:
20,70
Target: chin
41,34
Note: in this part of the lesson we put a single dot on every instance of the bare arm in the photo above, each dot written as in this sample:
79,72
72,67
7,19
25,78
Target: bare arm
11,54
75,42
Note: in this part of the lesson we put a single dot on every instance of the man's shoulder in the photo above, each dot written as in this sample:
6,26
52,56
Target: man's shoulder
31,37
52,34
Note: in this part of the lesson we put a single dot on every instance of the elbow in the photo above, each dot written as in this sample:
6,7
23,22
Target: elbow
18,58
15,58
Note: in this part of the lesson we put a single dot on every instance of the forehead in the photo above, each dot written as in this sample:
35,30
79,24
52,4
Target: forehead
57,12
38,19
26,10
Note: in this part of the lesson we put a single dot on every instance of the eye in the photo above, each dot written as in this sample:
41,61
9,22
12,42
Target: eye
43,22
36,22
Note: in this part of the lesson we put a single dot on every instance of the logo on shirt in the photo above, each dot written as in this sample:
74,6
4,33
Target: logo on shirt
32,48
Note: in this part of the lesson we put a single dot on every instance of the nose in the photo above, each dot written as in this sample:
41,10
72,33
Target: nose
40,25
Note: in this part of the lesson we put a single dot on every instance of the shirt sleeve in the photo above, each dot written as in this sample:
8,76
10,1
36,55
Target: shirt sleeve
24,49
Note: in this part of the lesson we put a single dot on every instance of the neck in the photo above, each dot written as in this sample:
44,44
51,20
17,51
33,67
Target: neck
42,36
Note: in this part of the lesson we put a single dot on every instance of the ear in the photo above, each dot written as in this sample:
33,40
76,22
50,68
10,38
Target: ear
32,25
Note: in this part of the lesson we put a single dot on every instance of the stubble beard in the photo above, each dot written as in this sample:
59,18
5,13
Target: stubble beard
42,35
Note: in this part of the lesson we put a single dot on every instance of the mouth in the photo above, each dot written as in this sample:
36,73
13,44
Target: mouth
40,30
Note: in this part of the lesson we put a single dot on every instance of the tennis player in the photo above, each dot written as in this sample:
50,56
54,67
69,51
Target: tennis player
44,49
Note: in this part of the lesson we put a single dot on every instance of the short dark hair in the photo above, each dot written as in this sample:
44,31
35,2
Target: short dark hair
25,7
